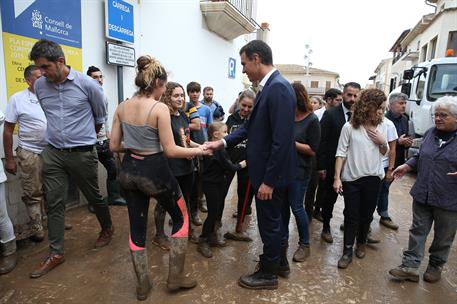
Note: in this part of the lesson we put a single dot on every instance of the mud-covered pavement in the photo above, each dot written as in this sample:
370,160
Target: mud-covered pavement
106,275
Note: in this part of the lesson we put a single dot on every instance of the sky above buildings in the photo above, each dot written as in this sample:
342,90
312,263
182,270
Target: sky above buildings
349,37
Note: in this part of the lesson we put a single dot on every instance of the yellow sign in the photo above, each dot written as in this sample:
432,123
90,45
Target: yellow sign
17,48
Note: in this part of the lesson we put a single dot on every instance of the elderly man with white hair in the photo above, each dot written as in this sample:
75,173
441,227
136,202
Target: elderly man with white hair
434,195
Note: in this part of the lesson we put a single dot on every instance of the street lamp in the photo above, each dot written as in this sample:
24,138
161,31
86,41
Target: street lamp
307,57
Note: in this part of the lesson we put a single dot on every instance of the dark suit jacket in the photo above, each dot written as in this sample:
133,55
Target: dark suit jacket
331,124
271,155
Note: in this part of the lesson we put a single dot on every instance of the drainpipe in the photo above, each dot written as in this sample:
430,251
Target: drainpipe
264,32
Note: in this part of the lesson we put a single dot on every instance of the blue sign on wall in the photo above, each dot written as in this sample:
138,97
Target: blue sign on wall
119,20
231,67
44,19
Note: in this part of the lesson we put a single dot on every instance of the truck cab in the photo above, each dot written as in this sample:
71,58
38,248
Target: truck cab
427,81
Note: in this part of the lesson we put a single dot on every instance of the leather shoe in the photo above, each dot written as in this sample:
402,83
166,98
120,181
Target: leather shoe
238,236
360,251
326,235
344,261
104,237
204,249
433,273
404,273
387,222
51,262
371,240
260,279
284,268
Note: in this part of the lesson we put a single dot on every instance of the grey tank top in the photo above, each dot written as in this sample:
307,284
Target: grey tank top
143,137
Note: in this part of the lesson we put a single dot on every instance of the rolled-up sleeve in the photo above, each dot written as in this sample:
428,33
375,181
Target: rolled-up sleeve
343,142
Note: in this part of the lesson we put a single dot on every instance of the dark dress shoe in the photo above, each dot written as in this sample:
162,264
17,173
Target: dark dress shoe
259,280
51,262
284,271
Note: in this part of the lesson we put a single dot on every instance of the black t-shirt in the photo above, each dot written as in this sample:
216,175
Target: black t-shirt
181,134
307,131
217,166
238,152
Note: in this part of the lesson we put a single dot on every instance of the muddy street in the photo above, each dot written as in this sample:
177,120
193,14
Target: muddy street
106,275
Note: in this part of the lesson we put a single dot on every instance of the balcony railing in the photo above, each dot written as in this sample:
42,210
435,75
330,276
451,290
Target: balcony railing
229,18
243,6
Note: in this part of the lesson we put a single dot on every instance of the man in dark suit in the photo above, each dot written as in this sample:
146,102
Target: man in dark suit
331,124
271,158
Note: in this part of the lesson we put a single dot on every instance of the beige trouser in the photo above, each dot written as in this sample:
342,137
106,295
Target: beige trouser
31,166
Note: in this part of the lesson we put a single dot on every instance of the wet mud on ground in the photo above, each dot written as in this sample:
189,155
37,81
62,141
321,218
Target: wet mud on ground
106,275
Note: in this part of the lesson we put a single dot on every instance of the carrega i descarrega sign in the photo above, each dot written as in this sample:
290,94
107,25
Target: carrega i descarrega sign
119,20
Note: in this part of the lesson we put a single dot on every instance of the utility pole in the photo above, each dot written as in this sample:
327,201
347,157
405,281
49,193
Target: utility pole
307,57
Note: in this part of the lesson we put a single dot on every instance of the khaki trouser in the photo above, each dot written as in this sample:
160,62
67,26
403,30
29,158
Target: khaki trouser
32,183
58,166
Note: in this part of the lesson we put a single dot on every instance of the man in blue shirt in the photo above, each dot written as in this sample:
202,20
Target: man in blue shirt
217,112
75,110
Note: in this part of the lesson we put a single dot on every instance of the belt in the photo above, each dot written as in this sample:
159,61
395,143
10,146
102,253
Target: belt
75,149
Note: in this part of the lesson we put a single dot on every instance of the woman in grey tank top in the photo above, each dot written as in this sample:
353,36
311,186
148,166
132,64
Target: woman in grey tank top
142,128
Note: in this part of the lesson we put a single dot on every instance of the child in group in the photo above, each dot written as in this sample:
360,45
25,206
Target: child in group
214,179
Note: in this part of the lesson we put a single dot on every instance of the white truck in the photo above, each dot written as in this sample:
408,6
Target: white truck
427,81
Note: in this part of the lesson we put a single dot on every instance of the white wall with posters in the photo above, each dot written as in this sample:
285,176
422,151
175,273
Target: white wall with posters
172,31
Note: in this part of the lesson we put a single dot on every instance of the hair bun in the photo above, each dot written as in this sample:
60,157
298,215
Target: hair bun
143,62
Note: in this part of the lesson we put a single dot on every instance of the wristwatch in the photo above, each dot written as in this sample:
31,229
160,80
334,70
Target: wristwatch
383,145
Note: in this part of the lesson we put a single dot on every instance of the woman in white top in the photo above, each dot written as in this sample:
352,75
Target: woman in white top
359,169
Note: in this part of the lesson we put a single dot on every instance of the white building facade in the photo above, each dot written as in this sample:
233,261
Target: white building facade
194,40
316,81
430,38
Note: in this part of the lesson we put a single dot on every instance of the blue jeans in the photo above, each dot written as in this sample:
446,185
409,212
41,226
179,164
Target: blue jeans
383,198
296,194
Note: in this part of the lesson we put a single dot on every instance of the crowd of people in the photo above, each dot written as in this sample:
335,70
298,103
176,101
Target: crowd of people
290,151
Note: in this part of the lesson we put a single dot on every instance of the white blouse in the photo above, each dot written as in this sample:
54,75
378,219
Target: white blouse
362,156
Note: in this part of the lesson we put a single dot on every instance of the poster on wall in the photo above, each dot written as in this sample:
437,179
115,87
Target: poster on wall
26,21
